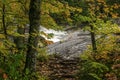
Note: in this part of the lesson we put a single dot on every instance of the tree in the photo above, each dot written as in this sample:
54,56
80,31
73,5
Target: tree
34,18
94,10
13,22
3,21
21,26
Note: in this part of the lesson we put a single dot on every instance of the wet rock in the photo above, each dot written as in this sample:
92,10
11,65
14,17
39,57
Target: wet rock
72,45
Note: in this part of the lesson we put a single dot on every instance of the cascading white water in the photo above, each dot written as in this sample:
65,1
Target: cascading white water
57,35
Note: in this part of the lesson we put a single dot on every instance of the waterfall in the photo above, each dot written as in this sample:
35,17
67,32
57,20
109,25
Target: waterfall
57,35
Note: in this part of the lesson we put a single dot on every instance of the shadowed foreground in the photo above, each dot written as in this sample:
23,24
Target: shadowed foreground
58,68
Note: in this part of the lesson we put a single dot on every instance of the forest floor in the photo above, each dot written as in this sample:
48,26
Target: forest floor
58,68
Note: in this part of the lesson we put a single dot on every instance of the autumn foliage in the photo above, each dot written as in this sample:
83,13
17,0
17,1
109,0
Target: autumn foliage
104,64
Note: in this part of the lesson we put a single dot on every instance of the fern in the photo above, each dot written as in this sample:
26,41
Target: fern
96,77
92,70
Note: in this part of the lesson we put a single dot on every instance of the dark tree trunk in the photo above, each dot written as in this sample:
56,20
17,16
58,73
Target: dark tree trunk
34,18
4,24
3,21
93,38
19,41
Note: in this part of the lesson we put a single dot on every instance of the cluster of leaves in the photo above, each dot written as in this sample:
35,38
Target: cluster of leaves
58,12
11,66
103,9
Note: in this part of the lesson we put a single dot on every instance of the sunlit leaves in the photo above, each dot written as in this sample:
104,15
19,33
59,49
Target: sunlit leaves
103,8
4,1
107,27
57,12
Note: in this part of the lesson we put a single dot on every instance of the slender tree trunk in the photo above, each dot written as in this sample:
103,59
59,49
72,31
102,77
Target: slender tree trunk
4,26
93,38
34,18
3,21
19,41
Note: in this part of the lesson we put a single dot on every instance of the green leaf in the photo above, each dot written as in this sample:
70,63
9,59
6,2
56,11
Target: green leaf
3,1
95,76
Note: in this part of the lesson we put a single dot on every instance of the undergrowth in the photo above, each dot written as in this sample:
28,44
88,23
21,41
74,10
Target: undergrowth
103,64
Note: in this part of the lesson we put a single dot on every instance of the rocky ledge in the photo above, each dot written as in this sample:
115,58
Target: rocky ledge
71,45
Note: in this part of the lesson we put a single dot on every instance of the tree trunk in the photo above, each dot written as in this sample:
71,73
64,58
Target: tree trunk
34,18
93,38
19,41
3,21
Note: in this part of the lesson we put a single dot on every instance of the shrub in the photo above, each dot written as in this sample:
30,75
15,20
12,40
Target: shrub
104,64
92,70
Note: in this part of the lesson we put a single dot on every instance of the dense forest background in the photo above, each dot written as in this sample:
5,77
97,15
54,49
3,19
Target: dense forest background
20,35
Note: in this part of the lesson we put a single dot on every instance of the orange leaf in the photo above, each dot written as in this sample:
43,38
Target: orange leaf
5,76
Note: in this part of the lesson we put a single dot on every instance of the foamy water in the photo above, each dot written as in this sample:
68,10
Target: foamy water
58,35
